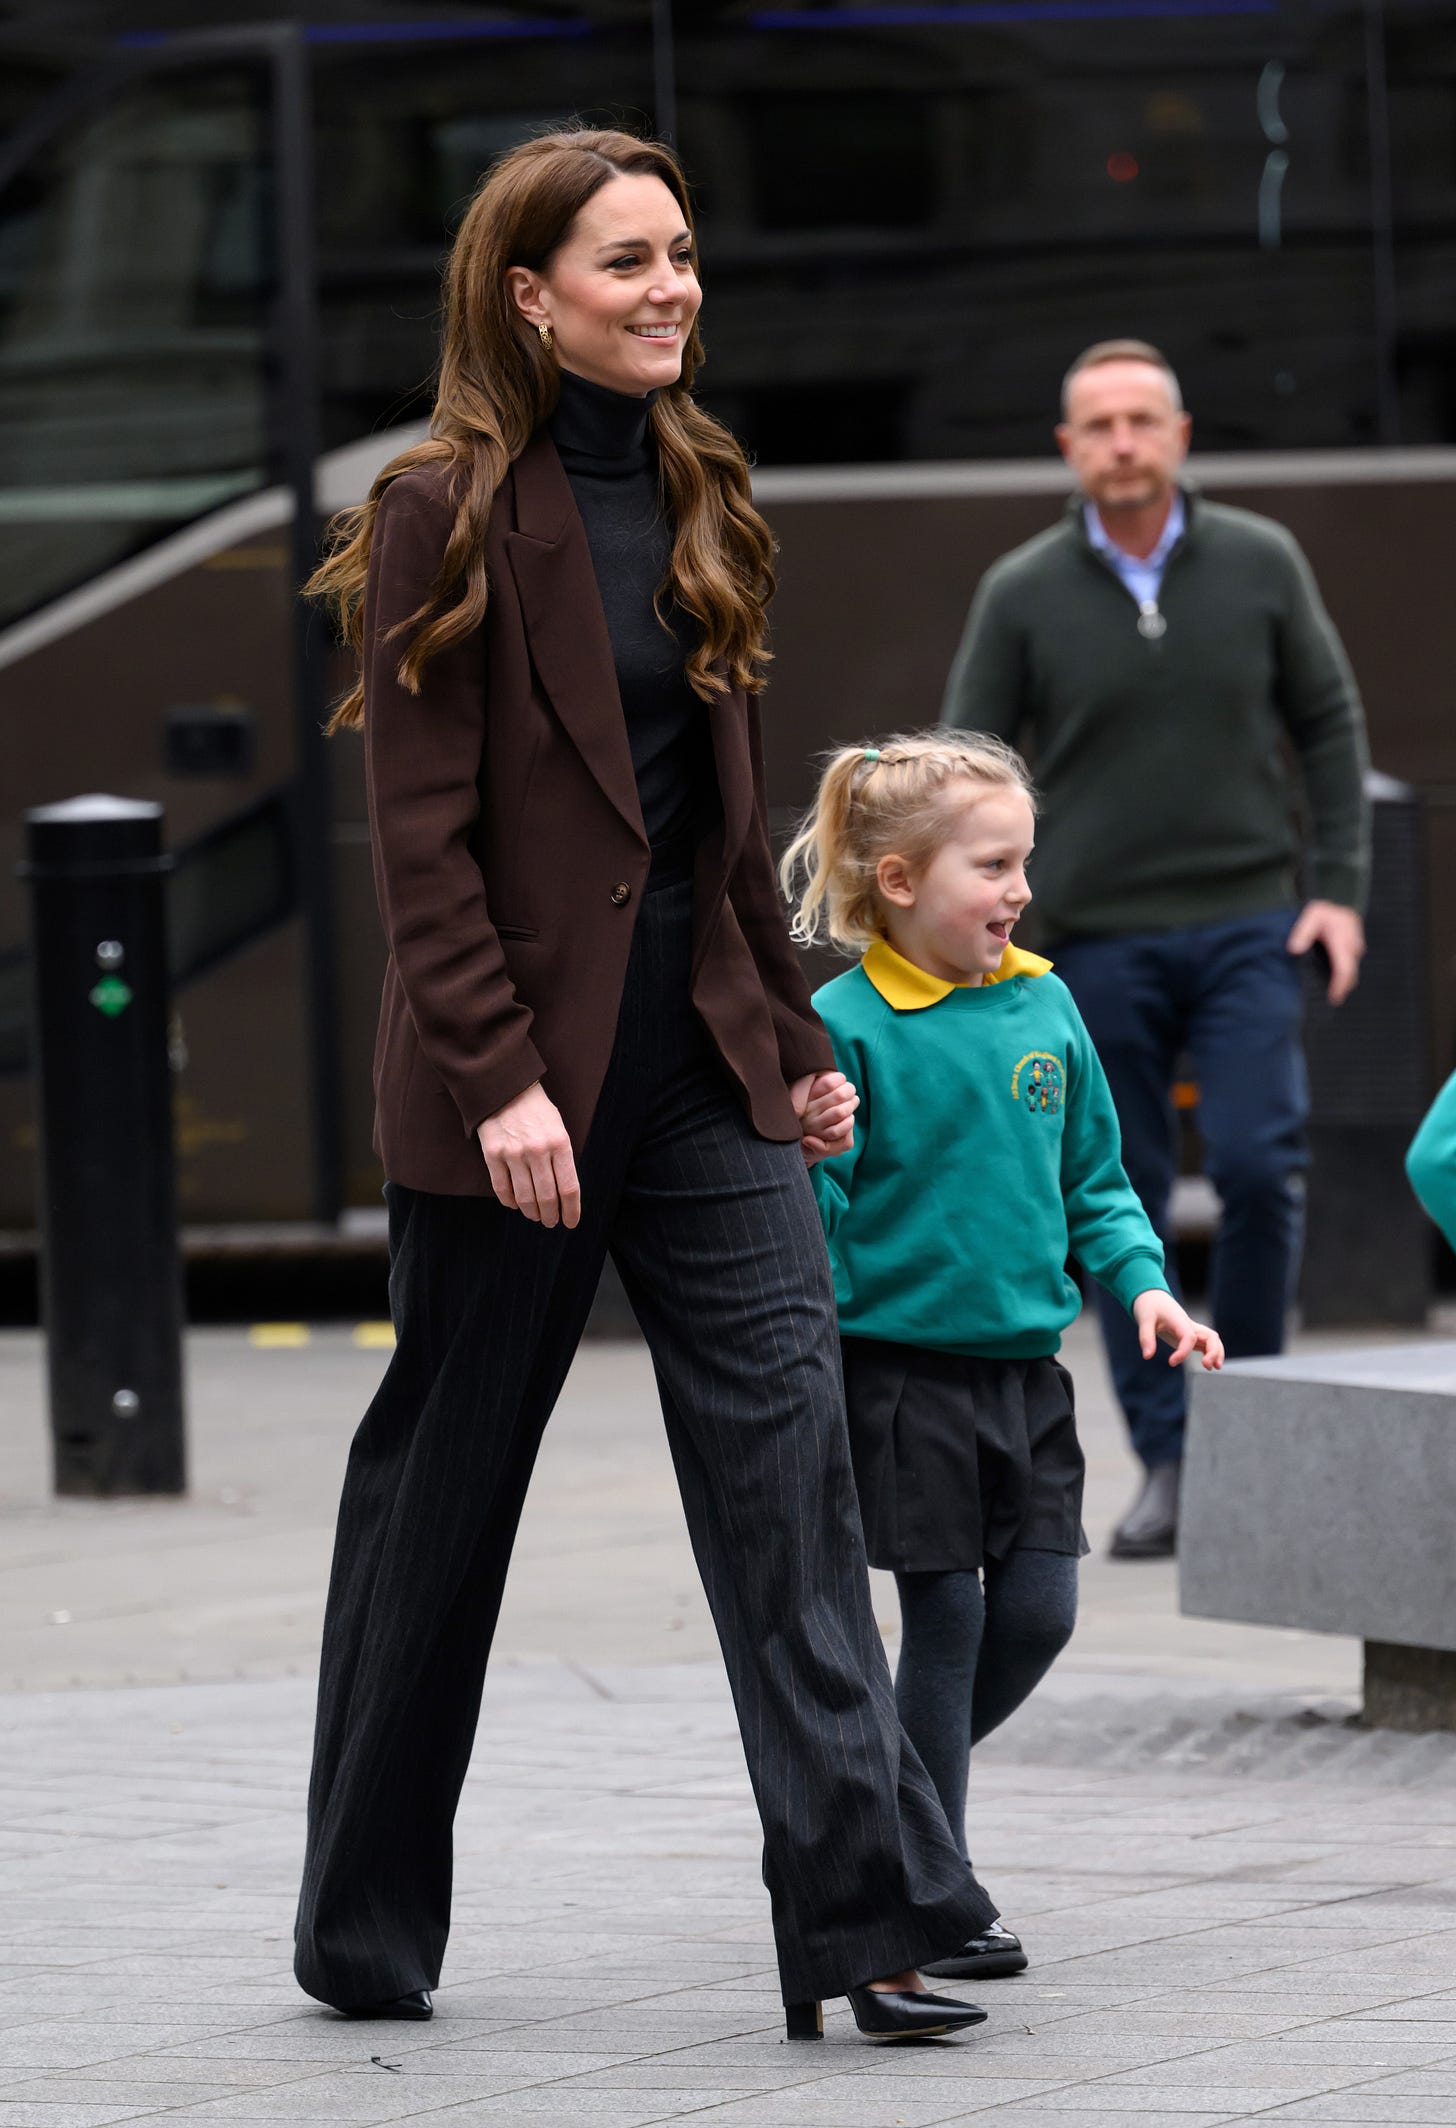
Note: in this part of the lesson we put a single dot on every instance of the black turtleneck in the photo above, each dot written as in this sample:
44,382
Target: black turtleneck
607,448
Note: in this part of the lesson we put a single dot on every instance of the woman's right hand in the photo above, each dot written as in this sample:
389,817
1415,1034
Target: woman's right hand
529,1157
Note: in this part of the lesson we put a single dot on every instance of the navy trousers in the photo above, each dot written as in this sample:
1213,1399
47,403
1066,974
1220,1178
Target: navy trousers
1229,995
718,1241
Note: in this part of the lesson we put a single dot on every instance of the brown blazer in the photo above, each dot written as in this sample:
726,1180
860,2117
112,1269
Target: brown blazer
509,853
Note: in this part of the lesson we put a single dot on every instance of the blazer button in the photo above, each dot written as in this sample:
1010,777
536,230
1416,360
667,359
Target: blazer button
621,893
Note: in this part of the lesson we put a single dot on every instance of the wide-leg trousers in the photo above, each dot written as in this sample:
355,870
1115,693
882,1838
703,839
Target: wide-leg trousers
716,1236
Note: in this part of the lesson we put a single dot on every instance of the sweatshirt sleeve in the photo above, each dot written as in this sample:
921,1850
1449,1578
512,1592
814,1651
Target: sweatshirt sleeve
1431,1161
1321,708
1111,1235
986,688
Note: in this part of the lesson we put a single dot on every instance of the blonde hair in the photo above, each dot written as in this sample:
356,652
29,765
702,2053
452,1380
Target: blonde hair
883,801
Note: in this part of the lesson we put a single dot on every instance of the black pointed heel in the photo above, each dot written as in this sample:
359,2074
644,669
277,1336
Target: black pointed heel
903,2013
882,2014
413,2008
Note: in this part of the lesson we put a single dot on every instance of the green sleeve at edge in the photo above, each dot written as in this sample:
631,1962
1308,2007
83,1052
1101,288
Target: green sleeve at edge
1431,1161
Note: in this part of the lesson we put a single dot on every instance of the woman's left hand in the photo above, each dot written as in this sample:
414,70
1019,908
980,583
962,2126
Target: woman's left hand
1158,1315
824,1102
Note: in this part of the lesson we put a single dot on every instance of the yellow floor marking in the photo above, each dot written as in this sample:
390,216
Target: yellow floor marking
375,1336
270,1335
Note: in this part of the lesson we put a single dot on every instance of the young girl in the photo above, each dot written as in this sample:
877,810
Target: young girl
985,1152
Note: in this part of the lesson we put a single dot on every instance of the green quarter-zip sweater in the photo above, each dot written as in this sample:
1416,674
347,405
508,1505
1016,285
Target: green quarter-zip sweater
986,1150
1161,757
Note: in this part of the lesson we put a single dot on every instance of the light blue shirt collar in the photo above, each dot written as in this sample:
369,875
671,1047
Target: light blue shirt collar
1142,574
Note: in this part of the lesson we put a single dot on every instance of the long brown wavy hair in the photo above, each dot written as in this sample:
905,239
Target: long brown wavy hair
498,384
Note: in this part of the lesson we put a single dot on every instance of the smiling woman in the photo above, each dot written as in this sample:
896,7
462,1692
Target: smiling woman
620,295
559,599
539,227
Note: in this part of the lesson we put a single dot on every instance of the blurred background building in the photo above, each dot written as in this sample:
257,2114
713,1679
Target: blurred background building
221,232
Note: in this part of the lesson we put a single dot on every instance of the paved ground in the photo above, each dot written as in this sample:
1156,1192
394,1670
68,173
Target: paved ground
230,1582
1240,1906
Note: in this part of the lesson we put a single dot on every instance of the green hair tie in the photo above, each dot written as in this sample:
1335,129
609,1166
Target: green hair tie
872,753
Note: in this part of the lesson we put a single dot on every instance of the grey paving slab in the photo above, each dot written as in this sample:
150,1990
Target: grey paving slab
605,2109
353,2099
669,2072
1086,2120
1328,2048
37,2113
321,2045
1214,2068
845,2105
1116,2042
146,2070
1062,2068
973,2079
1435,2083
1437,2007
141,2092
1035,2115
527,2065
1097,2101
1234,1902
1402,2112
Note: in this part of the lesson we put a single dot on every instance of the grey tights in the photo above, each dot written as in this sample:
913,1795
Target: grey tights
970,1655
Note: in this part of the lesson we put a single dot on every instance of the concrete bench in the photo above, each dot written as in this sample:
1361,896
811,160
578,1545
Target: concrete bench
1320,1492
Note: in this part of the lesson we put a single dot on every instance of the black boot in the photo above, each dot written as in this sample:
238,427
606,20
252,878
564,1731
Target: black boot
1149,1529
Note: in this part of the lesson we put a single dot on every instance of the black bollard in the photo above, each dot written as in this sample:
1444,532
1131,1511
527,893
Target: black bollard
111,1295
1368,1252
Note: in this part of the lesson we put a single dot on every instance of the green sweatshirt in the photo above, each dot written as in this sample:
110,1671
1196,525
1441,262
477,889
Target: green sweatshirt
1431,1161
1161,760
986,1150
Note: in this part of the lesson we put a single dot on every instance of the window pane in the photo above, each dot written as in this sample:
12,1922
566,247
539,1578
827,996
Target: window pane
929,217
1421,62
134,272
406,129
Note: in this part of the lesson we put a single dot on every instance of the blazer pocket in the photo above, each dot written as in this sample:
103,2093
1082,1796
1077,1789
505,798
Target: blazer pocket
515,931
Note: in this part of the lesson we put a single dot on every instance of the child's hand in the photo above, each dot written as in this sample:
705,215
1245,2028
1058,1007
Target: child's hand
825,1103
1157,1315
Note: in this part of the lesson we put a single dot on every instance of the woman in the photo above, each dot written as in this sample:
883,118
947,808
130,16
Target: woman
594,1037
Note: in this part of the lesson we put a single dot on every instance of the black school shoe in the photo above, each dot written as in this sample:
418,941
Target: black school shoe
990,1956
413,2008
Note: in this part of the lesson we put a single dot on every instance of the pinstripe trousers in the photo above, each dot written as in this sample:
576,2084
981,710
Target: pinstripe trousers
718,1242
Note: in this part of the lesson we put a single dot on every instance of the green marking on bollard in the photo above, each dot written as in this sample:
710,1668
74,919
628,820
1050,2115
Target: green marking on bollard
111,996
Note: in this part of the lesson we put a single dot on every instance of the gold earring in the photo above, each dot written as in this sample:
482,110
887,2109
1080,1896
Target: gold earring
546,340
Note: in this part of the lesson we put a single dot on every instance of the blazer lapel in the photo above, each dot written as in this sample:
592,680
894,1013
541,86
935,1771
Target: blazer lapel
562,609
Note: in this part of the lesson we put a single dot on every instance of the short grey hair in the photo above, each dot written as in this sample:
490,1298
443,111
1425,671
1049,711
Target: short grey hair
1123,351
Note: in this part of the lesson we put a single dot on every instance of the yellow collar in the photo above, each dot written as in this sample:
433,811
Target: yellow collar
909,989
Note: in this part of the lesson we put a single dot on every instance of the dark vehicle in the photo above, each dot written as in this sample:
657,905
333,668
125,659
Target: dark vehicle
219,275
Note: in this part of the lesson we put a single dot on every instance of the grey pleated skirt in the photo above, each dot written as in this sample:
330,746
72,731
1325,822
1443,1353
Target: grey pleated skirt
959,1460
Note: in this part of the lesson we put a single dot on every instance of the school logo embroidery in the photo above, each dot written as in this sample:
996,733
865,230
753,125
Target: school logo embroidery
1039,1083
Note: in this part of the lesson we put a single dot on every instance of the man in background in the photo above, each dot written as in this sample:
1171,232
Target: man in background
1164,656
